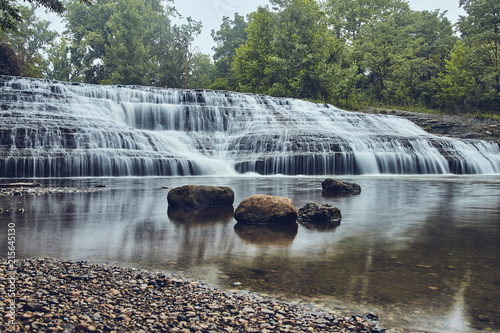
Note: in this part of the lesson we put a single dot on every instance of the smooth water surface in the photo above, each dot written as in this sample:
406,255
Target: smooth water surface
421,251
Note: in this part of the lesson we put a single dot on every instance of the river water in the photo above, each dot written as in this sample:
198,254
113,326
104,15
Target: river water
421,251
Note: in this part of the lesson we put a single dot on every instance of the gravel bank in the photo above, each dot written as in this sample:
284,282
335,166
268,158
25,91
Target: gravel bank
39,190
63,296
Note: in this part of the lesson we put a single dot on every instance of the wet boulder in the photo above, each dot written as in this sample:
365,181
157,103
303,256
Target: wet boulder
334,186
319,212
266,209
198,196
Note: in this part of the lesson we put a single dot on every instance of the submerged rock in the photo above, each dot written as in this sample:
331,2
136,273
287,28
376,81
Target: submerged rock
197,196
334,186
319,212
266,209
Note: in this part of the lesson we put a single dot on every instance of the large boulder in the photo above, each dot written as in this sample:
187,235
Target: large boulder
319,212
266,209
197,196
334,186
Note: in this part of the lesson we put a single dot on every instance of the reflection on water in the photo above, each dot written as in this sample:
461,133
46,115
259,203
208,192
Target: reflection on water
201,216
267,235
321,226
423,252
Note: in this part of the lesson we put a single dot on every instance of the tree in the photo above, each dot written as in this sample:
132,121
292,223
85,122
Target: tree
202,71
127,57
228,38
250,61
86,30
348,17
456,87
480,30
60,63
128,42
289,53
401,54
9,60
305,52
30,41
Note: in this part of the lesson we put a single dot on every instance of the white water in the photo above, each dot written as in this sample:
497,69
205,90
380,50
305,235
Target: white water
55,129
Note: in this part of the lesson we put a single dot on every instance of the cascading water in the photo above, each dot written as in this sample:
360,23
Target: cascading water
57,129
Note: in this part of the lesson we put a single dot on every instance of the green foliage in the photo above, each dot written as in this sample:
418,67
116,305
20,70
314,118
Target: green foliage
481,32
127,42
250,60
455,86
202,71
402,54
228,38
220,84
58,56
288,53
126,54
351,53
349,17
9,60
29,41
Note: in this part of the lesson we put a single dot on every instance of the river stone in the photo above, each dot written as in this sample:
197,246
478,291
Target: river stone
196,196
266,209
319,212
334,186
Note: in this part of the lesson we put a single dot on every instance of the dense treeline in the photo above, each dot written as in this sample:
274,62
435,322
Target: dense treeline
351,53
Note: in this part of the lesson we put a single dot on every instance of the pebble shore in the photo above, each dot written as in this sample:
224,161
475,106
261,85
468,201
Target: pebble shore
65,296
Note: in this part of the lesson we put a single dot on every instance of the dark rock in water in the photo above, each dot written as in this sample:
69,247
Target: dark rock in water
200,216
334,186
266,209
100,185
267,235
200,196
319,212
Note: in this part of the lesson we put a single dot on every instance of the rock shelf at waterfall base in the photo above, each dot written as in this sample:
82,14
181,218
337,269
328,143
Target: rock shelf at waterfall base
20,190
64,296
455,126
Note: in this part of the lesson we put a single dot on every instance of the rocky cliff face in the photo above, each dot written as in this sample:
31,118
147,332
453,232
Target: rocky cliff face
455,126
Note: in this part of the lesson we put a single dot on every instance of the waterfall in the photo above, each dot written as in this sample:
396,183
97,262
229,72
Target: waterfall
58,129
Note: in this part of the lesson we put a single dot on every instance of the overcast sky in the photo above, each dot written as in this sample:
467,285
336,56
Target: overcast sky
211,12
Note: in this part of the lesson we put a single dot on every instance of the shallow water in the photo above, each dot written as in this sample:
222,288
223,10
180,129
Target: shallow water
423,252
